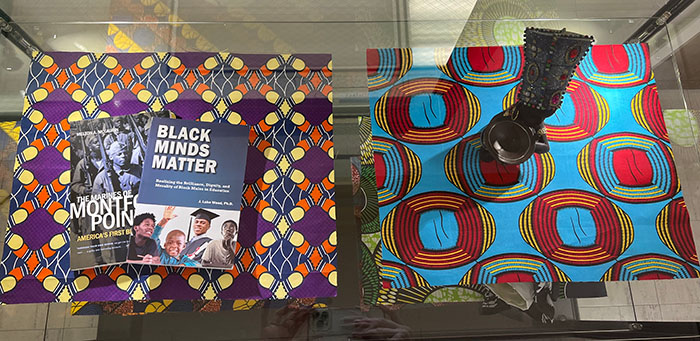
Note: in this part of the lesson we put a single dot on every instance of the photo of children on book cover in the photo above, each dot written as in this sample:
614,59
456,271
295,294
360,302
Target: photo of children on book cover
107,156
184,236
189,201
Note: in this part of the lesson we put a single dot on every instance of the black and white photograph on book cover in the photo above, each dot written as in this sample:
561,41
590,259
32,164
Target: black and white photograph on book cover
183,236
106,161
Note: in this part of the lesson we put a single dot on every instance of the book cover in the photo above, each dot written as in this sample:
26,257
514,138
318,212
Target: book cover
189,204
106,160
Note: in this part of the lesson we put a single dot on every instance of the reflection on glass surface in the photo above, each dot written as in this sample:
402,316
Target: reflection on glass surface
346,30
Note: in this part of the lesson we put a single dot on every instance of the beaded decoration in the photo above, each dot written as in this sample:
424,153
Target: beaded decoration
551,56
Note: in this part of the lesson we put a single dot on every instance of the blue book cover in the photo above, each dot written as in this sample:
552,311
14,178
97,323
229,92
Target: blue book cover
189,201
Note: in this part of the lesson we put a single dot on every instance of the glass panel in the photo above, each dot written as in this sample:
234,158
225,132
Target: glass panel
346,30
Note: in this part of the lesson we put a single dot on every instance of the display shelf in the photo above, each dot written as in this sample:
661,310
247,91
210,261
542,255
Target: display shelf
346,31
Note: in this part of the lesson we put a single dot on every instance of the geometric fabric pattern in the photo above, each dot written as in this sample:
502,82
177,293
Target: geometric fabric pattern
130,308
370,247
603,204
286,246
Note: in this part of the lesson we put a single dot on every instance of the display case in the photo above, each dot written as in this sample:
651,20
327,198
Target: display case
351,301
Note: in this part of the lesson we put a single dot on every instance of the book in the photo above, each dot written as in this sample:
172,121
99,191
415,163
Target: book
189,202
106,160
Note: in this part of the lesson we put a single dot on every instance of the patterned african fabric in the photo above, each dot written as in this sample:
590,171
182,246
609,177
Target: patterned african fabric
9,134
373,292
127,308
141,38
187,36
288,249
682,125
604,204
